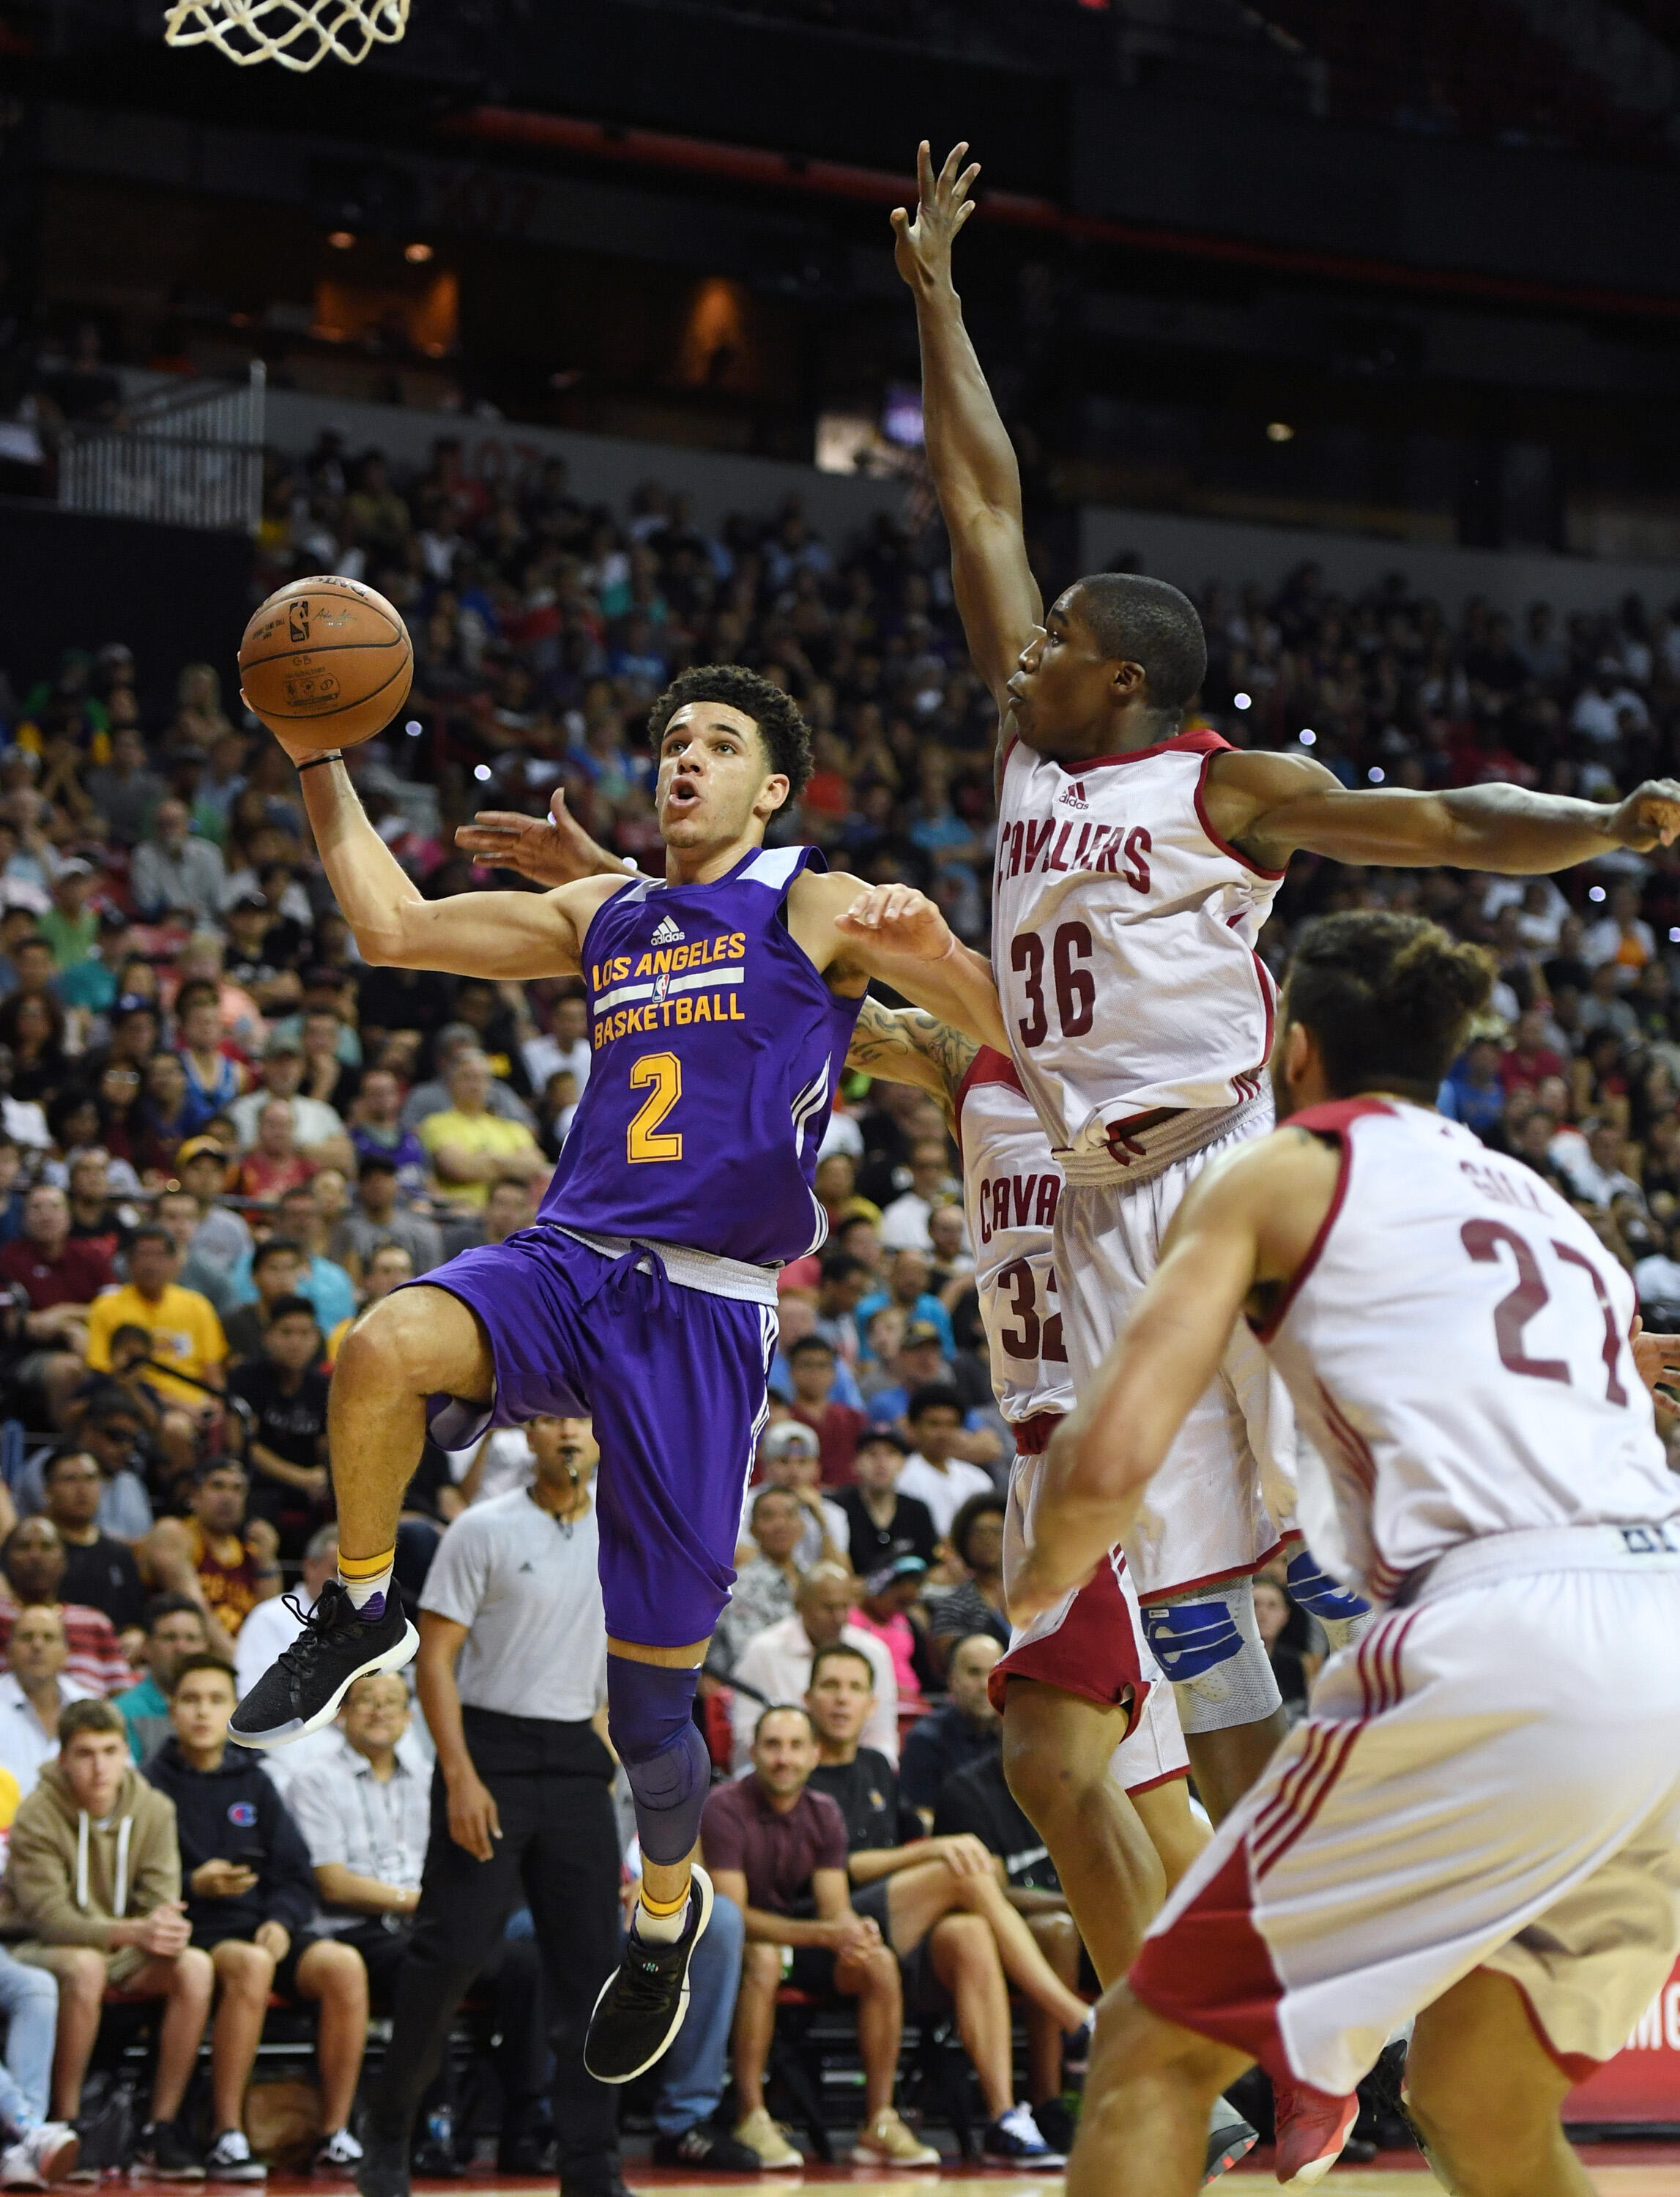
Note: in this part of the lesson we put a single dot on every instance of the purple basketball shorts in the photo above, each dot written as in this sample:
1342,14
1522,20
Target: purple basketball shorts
674,1380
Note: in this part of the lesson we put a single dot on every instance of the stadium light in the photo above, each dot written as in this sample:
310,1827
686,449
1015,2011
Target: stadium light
1309,739
1376,774
1241,701
342,239
1595,892
417,254
1279,431
482,774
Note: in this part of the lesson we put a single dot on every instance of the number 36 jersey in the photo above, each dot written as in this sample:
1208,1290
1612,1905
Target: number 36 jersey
717,1047
1456,1344
1123,935
1010,1185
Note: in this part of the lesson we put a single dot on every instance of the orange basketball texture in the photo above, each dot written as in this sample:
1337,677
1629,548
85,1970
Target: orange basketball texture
328,661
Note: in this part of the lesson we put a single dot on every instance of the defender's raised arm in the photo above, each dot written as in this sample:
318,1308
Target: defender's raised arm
968,449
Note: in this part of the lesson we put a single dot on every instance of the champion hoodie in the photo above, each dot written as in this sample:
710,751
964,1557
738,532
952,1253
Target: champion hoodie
234,1814
69,1879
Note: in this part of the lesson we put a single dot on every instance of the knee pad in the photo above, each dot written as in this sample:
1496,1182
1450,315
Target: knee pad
650,1719
1209,1646
1316,1591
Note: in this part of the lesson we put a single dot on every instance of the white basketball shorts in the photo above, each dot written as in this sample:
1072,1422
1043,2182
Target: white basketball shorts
1488,1779
1215,1510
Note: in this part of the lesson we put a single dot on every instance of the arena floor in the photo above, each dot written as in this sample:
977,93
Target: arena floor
1619,2170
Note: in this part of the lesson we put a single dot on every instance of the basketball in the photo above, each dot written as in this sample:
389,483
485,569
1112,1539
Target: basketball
328,661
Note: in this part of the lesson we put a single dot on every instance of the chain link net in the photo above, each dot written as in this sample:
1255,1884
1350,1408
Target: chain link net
299,34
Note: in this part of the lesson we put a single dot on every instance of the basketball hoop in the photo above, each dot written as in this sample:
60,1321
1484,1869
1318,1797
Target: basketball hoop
299,34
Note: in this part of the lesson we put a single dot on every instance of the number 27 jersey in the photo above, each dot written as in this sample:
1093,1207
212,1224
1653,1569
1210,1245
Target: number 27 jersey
1455,1343
1010,1186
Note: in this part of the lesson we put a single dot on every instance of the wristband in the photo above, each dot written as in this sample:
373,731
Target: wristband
333,755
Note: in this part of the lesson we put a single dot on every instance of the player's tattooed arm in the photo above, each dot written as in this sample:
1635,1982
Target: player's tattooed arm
969,450
907,1045
1270,806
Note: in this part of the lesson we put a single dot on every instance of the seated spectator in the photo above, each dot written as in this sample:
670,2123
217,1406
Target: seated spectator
510,1206
939,1904
278,1269
776,1664
1273,1612
935,1472
787,1458
93,1879
317,1129
909,1274
215,1077
888,1608
379,1219
274,1163
221,1238
565,1049
881,1522
902,1357
171,871
376,1132
323,1281
33,1693
812,1365
250,1895
178,1212
427,1099
61,1276
387,1270
175,1629
952,1269
106,1422
32,1558
186,1337
779,1852
1530,1058
471,1145
1656,1278
904,1224
764,1588
1473,1092
287,1451
99,1570
964,1729
977,1604
367,1858
211,1557
843,1283
1599,1178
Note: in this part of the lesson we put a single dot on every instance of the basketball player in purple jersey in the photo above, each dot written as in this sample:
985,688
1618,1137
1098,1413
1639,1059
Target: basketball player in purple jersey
722,1001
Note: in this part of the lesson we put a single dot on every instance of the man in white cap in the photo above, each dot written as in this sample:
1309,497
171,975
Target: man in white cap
789,1457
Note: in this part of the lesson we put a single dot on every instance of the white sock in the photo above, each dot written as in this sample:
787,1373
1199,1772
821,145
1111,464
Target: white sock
660,1929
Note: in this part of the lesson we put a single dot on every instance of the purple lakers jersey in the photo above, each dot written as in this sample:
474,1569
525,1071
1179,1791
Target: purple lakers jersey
716,1049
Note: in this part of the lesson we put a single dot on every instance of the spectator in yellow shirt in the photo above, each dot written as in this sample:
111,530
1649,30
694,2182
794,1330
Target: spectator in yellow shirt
186,1334
470,1148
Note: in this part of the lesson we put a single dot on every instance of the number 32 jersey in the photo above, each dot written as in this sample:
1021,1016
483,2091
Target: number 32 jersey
1455,1343
716,1049
1123,941
1010,1186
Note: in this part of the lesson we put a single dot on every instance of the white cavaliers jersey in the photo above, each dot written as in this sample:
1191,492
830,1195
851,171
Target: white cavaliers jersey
1010,1185
1455,1343
1123,933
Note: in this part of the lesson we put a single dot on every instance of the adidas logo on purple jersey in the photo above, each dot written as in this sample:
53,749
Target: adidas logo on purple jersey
666,933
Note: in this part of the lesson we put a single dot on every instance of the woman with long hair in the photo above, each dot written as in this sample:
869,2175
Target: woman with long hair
32,1024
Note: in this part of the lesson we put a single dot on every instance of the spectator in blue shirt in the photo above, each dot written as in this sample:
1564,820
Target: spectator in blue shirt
1473,1092
908,1290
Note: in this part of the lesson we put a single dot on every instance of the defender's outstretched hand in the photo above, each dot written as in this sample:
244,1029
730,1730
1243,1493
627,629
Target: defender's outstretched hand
550,850
1649,816
899,919
922,250
1658,1359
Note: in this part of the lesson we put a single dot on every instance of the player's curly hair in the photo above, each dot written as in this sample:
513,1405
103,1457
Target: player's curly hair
1388,998
784,733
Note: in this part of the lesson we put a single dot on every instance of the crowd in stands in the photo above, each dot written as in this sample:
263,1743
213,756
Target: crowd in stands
221,1136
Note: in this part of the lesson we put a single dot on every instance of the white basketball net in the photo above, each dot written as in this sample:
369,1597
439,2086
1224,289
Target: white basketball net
299,34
